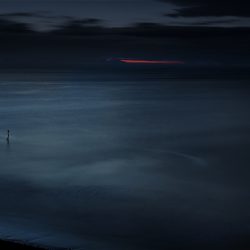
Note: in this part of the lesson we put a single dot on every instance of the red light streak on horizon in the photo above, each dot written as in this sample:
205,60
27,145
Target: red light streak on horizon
136,61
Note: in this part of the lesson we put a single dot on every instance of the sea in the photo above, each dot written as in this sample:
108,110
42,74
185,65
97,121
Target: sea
125,162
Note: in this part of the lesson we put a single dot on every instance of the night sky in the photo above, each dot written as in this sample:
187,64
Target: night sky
116,13
193,31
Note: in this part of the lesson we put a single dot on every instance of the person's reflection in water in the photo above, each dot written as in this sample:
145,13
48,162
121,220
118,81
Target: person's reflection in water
8,141
8,136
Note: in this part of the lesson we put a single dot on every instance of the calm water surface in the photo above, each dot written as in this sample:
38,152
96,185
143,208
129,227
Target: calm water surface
125,165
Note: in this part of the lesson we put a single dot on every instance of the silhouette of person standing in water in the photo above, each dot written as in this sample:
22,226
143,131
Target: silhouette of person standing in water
8,136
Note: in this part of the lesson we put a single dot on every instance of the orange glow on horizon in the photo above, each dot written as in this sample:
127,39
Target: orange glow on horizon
136,61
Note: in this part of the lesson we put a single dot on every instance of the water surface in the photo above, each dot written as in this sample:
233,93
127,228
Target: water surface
151,165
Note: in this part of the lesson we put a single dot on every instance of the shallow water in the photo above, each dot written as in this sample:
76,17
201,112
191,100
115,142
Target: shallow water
125,165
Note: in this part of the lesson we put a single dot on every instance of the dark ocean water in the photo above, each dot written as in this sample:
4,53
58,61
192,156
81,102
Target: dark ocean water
93,164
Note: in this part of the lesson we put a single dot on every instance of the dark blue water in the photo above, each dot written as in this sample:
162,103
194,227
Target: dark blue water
125,165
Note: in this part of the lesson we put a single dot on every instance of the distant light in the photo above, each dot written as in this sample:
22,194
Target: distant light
136,61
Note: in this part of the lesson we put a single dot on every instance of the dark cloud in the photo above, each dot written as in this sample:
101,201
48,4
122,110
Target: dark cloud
93,26
88,21
7,26
215,22
38,14
208,22
185,31
18,14
213,8
88,26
